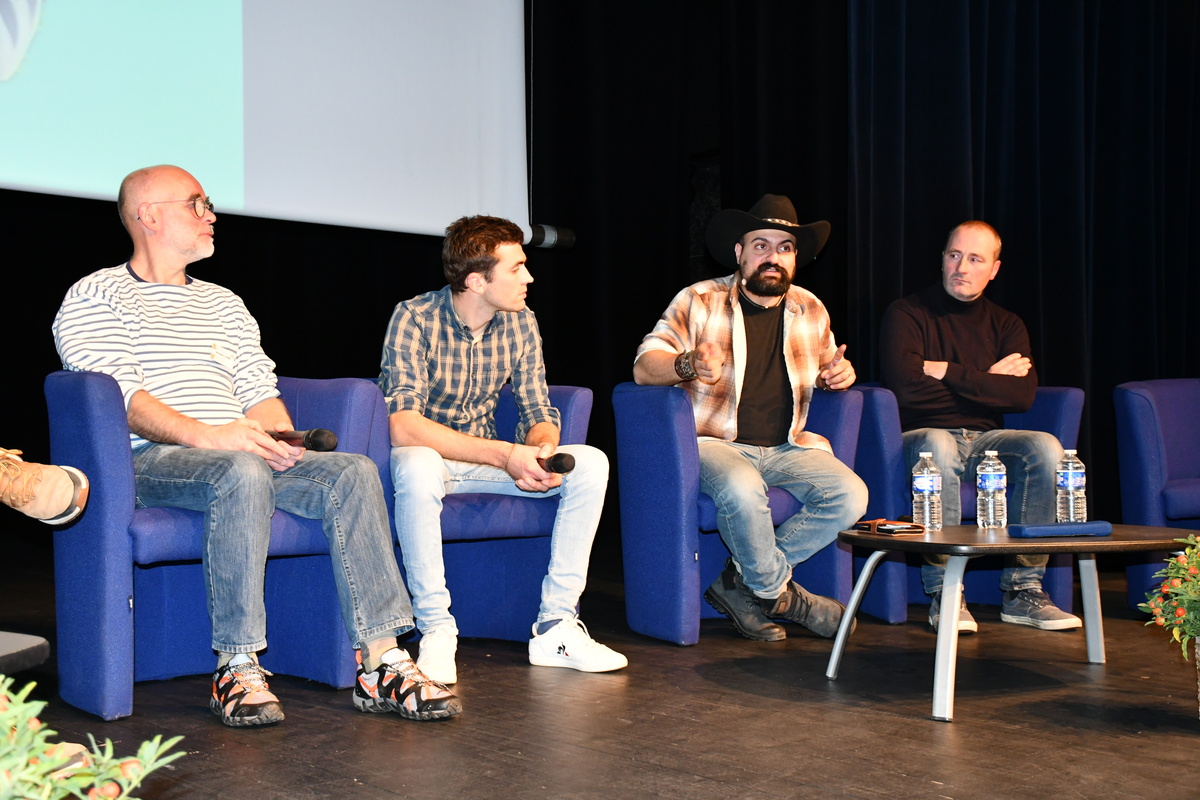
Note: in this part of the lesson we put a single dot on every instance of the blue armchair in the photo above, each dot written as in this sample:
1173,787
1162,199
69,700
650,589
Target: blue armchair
1056,410
497,548
670,546
128,586
1158,455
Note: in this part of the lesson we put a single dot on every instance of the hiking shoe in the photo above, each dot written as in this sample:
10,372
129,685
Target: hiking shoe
1033,607
966,622
436,658
732,597
568,644
398,685
241,698
821,615
54,495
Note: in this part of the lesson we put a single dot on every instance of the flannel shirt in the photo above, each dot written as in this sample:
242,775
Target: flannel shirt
709,311
432,365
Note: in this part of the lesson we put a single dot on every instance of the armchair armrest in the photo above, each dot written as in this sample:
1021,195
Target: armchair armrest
1056,410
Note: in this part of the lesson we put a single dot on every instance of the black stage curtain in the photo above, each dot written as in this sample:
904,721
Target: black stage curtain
1070,126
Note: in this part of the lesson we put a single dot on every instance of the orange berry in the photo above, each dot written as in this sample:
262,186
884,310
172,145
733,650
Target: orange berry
131,768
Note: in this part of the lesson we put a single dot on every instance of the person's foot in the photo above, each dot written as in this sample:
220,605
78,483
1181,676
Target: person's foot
398,685
966,622
821,615
568,644
54,495
732,597
1033,607
241,697
436,658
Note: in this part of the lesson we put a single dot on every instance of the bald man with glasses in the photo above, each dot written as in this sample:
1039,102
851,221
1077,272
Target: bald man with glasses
202,402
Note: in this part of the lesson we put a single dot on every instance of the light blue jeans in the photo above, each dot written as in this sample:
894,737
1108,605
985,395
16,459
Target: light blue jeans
238,492
736,476
422,478
1029,457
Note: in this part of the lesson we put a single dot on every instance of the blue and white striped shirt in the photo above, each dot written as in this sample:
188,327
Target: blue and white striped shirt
432,365
194,347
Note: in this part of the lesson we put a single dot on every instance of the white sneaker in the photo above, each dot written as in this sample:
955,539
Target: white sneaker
436,658
568,644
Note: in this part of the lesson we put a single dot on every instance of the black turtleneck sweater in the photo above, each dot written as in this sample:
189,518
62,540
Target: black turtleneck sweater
933,326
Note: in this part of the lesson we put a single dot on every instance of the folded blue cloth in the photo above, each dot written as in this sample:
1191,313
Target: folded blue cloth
1092,528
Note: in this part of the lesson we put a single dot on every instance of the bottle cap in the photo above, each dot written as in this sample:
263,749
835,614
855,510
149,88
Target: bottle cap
930,455
990,452
1070,452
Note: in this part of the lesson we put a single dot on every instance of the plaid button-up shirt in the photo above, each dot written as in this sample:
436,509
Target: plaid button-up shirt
432,365
709,311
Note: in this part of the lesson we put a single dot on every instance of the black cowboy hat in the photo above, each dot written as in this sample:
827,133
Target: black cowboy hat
772,211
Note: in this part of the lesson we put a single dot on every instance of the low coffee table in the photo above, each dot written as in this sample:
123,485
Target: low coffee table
963,542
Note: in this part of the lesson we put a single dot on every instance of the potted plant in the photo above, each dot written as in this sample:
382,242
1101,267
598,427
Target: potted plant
33,767
1175,605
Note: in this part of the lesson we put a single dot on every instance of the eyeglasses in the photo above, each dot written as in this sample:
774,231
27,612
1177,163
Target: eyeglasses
200,205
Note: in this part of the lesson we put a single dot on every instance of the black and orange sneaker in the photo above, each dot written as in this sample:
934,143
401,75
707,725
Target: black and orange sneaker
241,698
398,685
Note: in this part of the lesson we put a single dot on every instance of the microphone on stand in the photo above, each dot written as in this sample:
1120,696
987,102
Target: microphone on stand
560,463
317,439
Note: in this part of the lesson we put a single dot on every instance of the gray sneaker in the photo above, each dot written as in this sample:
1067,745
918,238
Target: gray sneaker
1034,608
966,623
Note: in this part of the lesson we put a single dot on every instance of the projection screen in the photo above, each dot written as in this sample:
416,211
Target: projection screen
388,114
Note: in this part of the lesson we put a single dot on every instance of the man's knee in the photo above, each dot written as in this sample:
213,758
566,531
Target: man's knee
940,442
591,466
417,470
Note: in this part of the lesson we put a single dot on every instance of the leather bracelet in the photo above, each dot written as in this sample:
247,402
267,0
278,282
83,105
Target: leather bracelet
683,366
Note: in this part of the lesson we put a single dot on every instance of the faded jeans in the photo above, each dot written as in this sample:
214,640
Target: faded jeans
238,492
1030,458
422,478
736,476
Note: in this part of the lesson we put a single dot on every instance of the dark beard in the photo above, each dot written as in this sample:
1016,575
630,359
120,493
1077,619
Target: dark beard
755,284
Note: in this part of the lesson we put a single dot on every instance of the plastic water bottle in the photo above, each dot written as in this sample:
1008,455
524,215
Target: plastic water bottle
1071,482
927,493
991,482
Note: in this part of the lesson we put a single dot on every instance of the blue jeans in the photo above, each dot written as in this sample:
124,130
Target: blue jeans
1029,457
422,478
736,476
238,492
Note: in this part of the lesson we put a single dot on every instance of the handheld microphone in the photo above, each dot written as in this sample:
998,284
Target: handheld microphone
317,439
560,463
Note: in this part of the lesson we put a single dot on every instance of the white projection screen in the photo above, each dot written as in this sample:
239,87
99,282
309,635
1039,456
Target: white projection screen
388,114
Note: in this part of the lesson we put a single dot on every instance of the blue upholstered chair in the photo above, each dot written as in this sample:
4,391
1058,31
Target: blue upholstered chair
669,540
880,463
128,586
497,548
1158,453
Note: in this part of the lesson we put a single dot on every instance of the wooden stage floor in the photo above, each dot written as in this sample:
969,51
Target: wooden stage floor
728,718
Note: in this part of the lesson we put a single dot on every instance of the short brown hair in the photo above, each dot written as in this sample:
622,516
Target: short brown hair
470,246
975,223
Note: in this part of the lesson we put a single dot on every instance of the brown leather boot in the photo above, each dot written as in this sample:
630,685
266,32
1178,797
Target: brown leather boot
54,495
821,615
733,598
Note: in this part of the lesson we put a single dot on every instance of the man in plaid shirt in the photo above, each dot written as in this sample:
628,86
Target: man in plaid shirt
446,356
749,349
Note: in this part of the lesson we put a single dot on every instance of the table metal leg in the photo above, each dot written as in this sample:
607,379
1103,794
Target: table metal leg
946,655
1093,619
856,596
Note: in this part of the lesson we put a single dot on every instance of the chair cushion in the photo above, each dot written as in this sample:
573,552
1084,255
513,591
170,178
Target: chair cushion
783,505
1181,499
173,534
497,516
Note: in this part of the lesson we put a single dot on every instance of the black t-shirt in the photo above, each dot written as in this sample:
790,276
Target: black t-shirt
764,413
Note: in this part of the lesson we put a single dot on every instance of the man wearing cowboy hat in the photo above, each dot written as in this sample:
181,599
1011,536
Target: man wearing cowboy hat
749,349
957,363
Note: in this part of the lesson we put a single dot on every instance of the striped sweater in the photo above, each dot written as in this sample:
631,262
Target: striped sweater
194,347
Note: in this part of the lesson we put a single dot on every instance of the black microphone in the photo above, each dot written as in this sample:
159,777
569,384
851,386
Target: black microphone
559,462
550,237
317,439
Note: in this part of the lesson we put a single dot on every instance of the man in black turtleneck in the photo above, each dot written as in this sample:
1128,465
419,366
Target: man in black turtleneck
958,363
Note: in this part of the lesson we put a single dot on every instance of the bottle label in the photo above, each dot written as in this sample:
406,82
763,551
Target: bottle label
927,484
1071,480
991,482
